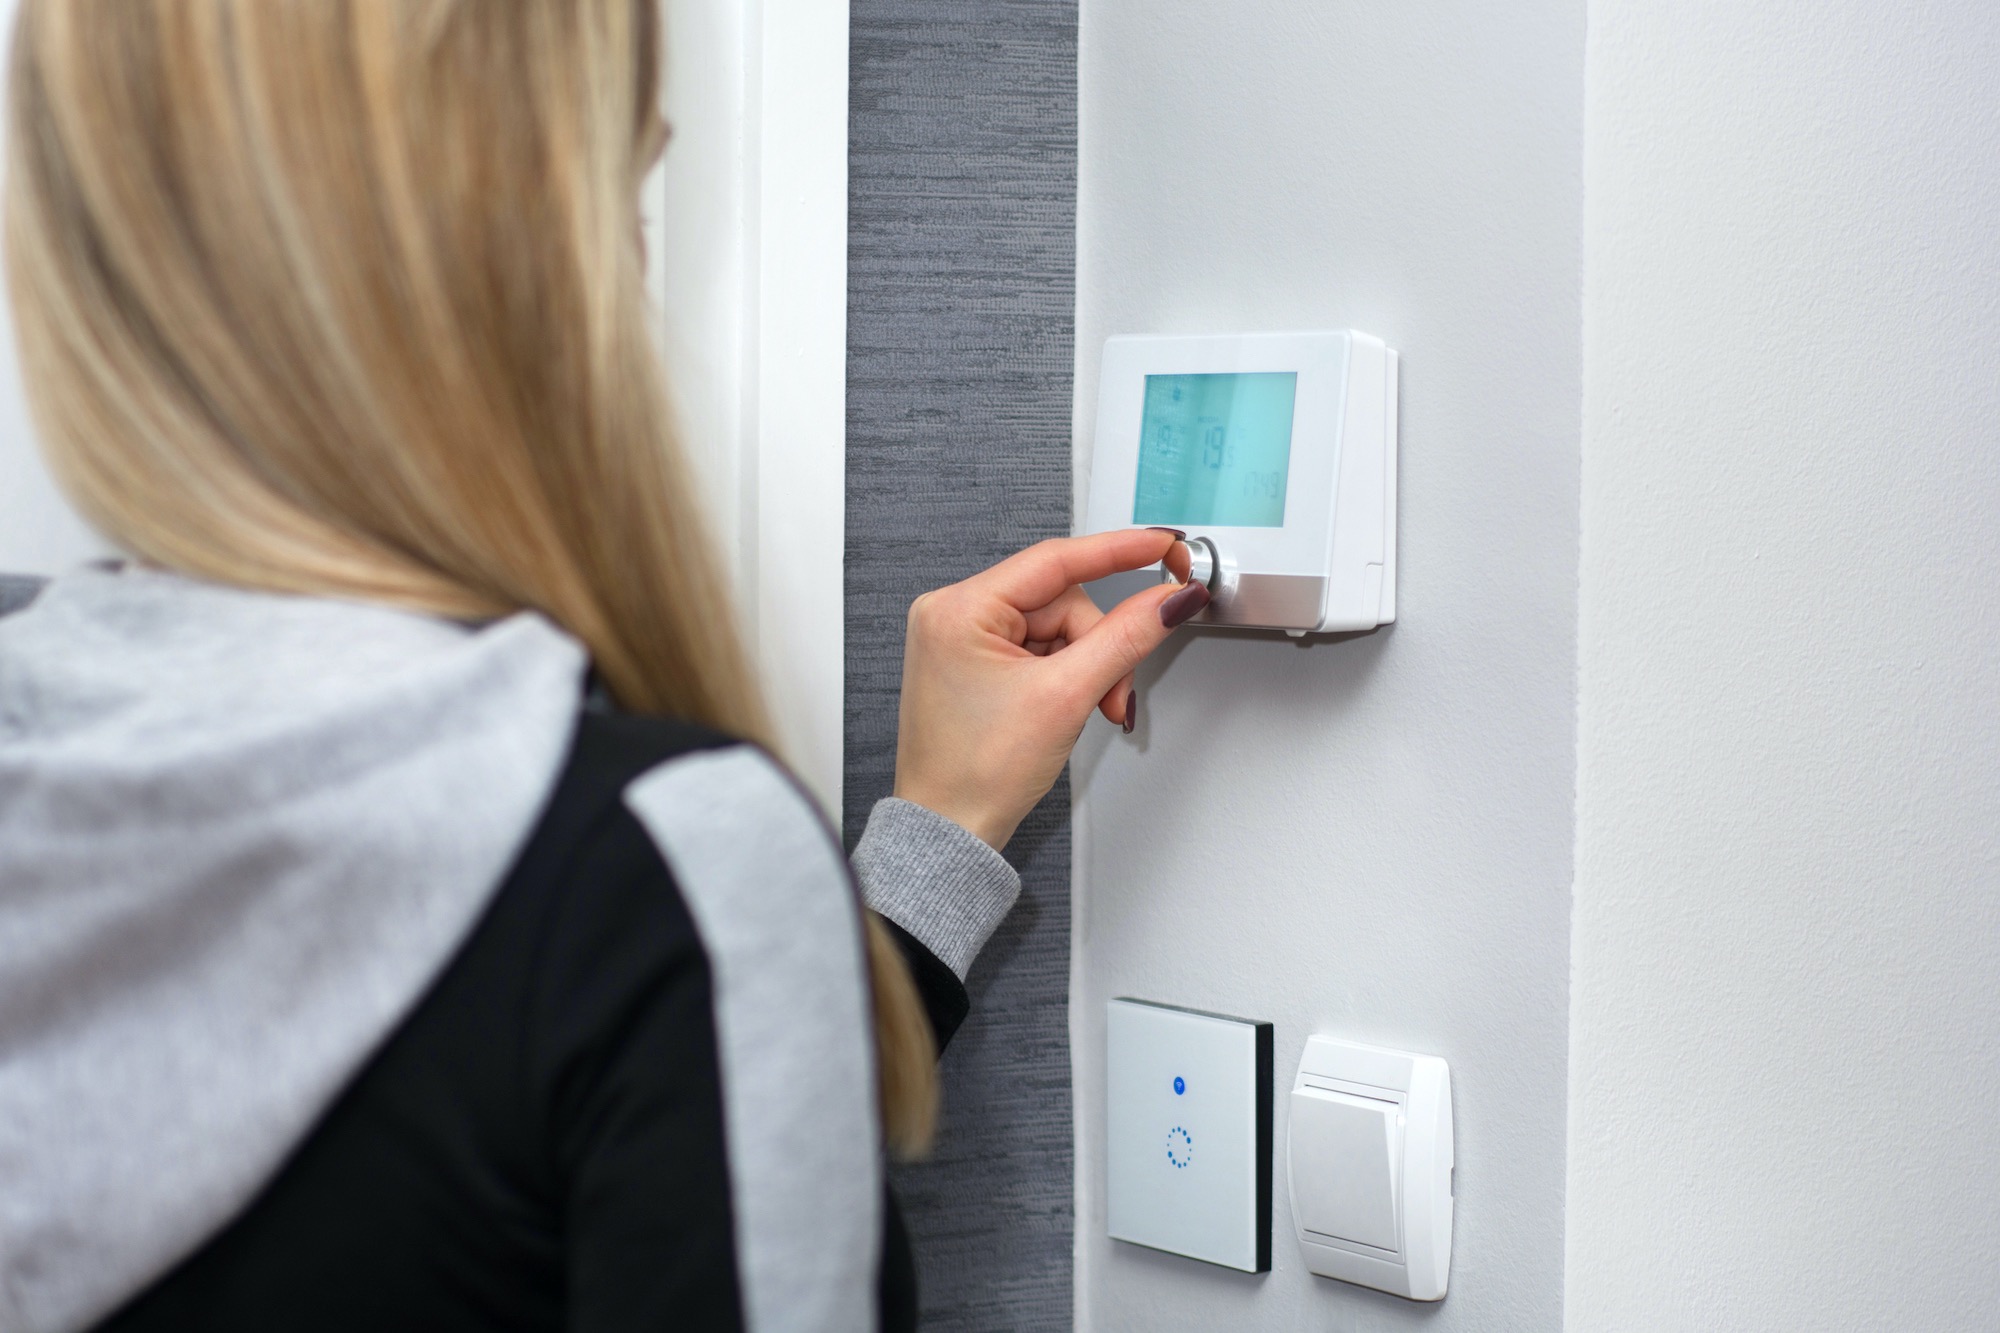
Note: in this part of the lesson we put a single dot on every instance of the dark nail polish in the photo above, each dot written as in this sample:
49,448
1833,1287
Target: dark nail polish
1184,604
1131,710
1179,536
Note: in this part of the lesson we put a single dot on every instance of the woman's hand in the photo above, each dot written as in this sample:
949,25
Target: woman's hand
1000,672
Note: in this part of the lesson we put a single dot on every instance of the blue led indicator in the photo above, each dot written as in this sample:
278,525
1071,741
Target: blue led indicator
1180,1085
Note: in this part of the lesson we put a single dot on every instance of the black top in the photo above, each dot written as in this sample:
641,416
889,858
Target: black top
539,1146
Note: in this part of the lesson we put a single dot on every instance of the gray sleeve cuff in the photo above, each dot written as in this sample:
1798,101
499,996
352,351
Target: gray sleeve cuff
934,879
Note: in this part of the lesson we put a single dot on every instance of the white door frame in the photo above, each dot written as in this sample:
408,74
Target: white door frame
748,229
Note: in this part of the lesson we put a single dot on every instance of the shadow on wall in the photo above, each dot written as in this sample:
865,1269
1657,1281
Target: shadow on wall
1329,692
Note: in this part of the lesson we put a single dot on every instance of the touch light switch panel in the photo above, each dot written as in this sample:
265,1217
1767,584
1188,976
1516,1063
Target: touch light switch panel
1188,1132
1369,1156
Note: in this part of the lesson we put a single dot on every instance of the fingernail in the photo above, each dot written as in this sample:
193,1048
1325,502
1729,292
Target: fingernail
1191,598
1179,536
1131,710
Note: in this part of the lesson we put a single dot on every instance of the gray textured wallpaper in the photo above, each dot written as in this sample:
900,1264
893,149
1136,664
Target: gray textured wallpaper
961,312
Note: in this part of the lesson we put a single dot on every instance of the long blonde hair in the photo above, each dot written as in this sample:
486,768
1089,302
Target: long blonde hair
345,298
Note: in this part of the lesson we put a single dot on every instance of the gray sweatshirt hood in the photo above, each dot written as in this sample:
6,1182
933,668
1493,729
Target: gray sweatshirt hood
240,834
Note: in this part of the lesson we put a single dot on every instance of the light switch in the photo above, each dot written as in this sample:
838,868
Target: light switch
1188,1133
1369,1160
1346,1155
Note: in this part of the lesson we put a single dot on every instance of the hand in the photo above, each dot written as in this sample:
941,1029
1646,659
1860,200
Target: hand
1000,672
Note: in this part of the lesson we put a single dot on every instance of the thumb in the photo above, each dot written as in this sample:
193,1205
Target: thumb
1127,635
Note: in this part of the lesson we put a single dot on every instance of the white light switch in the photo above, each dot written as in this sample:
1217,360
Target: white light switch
1188,1133
1346,1155
1369,1159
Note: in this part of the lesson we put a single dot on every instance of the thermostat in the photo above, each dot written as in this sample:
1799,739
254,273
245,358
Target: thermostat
1275,453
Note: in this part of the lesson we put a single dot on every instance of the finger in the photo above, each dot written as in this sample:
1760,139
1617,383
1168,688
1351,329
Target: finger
1180,562
1120,703
1038,575
1071,615
1094,663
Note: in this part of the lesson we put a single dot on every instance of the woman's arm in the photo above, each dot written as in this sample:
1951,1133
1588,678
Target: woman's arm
942,891
1001,671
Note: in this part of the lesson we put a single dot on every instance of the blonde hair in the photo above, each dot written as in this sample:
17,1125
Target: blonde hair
345,298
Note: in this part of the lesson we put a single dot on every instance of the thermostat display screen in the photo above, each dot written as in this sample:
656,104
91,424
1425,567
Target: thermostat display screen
1214,450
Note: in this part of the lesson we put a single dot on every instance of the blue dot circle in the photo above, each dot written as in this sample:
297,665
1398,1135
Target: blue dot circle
1180,1085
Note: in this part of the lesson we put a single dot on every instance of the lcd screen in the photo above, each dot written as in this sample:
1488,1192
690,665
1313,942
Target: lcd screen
1214,450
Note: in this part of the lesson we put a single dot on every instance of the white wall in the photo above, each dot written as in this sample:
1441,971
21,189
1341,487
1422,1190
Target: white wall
1368,837
1786,994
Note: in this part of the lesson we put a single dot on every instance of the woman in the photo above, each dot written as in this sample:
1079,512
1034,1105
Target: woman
399,927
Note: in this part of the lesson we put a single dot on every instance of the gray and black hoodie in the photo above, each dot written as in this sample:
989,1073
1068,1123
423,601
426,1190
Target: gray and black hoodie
355,974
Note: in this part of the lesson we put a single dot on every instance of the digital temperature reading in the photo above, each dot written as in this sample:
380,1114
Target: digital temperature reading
1214,449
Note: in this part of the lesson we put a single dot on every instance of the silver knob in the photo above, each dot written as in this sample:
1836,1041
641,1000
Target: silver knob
1203,564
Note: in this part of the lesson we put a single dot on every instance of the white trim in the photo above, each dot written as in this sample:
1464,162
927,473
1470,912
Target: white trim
748,226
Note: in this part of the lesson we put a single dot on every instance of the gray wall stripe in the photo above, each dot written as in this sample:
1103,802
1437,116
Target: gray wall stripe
961,312
770,895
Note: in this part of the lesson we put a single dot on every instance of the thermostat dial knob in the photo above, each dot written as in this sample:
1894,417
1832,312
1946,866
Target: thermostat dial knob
1204,566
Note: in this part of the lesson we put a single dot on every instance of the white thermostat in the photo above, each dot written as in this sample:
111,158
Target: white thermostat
1275,453
1188,1133
1369,1155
